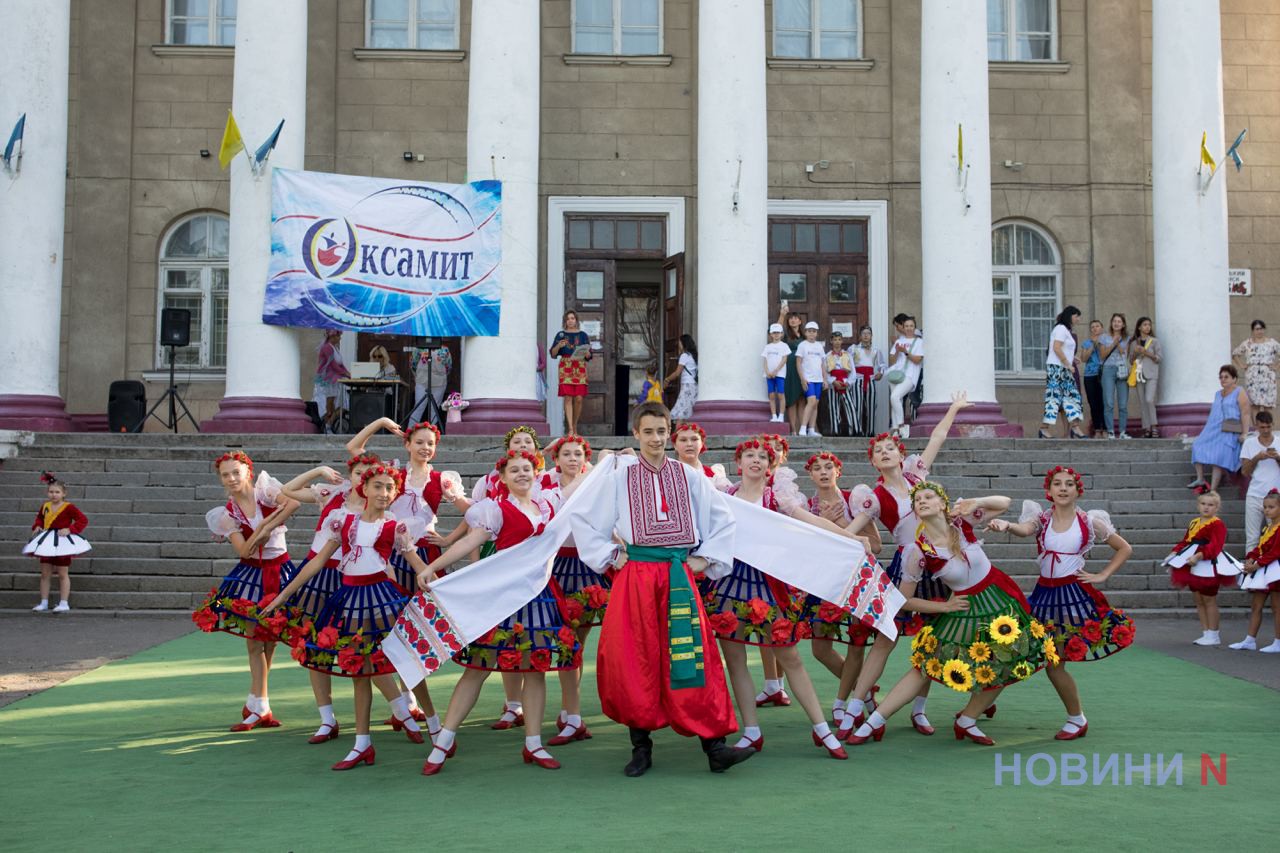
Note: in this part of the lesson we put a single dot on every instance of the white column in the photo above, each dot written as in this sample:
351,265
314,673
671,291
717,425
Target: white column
955,218
503,115
733,221
33,68
270,84
1190,228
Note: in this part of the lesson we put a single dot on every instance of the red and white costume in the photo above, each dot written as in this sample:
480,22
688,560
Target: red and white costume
1266,578
58,538
420,503
1208,537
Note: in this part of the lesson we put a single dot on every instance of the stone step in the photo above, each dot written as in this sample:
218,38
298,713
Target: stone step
194,585
114,600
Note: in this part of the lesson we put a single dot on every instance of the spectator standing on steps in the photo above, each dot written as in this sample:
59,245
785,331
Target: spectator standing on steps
1257,356
1089,356
1145,354
1113,347
1260,462
1060,391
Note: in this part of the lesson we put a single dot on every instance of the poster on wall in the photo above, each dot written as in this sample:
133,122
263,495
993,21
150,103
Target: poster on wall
384,255
1240,282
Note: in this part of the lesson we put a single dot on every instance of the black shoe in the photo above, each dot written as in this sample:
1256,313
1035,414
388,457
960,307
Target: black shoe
721,757
641,753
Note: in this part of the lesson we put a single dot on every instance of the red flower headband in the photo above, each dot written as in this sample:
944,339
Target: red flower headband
408,434
554,449
885,436
689,426
831,457
396,475
755,444
778,441
534,458
234,455
48,478
363,459
1062,469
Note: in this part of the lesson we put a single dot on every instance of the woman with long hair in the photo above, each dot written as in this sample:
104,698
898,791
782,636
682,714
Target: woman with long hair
1145,353
330,370
572,347
792,335
687,372
1113,349
1060,391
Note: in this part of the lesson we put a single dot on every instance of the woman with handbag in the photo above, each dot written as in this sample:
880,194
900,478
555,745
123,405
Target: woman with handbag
1219,442
1144,373
1113,348
1060,389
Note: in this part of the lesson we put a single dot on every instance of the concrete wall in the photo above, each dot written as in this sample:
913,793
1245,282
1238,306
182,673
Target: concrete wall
1081,132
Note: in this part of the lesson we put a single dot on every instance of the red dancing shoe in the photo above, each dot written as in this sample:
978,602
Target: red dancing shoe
318,737
967,732
365,757
838,752
877,734
429,768
922,728
269,722
266,721
562,720
991,711
757,744
414,737
579,733
779,699
503,723
245,712
1078,733
419,715
547,763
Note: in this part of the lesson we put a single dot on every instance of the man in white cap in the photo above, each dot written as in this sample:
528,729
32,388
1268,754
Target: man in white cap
809,355
775,372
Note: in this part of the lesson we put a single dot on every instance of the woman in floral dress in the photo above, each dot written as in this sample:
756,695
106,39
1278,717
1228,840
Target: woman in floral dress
1257,356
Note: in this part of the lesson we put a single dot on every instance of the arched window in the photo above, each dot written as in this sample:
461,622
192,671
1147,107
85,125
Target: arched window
1026,283
193,275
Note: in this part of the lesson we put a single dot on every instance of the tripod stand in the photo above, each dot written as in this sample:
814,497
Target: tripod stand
175,399
431,411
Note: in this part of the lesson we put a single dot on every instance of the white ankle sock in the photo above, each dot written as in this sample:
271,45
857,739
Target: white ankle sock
400,707
968,724
856,707
327,716
822,729
873,722
264,706
1077,721
445,738
773,685
749,734
917,707
433,725
515,707
533,744
363,742
574,720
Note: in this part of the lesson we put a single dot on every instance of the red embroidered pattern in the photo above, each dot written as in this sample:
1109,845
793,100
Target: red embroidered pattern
643,484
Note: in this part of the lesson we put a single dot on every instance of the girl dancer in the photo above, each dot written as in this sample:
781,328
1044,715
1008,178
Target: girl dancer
533,640
1262,577
690,442
983,637
263,568
890,502
345,637
1082,625
774,692
58,526
1199,564
746,607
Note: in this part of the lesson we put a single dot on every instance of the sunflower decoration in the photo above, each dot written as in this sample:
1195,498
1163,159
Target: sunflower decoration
917,659
980,652
917,642
933,668
929,644
1051,651
1004,630
984,675
1037,630
1022,670
957,675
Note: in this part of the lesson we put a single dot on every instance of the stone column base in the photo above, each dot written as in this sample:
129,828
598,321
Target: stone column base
981,420
1181,419
736,417
260,415
36,412
497,415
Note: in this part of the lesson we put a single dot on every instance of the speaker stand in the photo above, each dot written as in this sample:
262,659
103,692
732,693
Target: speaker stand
175,399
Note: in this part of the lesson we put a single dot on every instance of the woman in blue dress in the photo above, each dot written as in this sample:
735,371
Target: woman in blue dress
1219,442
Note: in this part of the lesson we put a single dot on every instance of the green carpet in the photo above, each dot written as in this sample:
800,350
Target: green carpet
136,756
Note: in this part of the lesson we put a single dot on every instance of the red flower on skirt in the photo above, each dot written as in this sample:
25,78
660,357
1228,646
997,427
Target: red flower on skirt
242,606
566,636
350,660
540,659
1075,649
1091,630
1122,635
516,629
573,610
277,623
378,658
299,653
758,611
781,630
205,619
804,631
829,612
725,624
597,596
914,624
487,639
509,659
328,638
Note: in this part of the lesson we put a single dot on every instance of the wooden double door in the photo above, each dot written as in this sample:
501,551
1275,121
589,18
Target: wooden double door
819,266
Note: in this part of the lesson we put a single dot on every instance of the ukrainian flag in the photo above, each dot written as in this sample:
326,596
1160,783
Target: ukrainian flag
232,144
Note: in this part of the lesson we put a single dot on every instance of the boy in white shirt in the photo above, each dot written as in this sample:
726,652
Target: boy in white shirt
775,372
809,356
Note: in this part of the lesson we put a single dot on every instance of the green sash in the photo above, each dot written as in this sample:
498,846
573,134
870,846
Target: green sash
684,628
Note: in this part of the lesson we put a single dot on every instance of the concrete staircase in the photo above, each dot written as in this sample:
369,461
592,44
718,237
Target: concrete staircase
146,496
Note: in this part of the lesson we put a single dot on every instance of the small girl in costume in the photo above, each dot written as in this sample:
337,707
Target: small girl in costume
1199,564
252,521
1262,577
344,638
58,526
690,441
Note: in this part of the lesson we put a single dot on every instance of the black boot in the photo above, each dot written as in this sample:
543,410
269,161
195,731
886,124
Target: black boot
641,753
721,757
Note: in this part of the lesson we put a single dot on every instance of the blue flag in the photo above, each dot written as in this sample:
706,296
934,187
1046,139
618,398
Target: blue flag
14,139
265,148
1232,151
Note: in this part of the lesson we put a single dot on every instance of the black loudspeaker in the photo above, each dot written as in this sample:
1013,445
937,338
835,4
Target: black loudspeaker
175,327
366,407
126,406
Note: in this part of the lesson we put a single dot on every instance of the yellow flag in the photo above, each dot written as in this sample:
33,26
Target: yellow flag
1205,157
959,146
232,144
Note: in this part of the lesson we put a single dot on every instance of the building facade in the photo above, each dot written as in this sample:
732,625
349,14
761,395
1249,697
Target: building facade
665,201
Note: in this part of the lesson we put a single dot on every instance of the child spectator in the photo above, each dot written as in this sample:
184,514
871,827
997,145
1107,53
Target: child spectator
775,373
809,356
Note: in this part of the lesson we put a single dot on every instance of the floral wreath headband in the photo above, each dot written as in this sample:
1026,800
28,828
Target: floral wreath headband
363,459
755,444
1063,469
828,456
534,458
689,426
779,441
885,436
396,475
570,438
930,486
234,455
408,434
511,433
